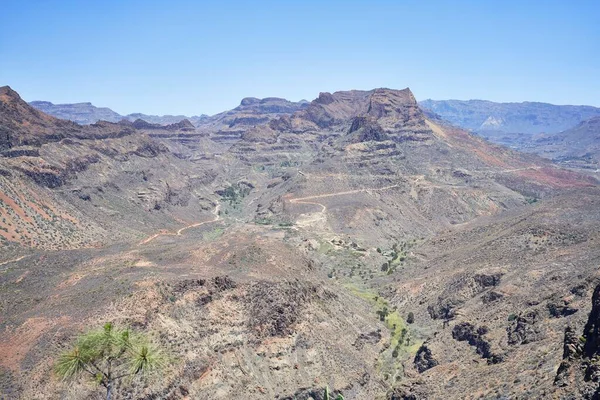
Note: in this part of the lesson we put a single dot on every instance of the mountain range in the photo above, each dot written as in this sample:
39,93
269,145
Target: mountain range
87,113
356,242
480,116
529,118
566,134
526,126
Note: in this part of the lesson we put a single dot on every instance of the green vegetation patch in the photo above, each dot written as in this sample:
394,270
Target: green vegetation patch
402,344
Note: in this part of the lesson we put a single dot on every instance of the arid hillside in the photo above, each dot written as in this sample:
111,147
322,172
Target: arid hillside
352,242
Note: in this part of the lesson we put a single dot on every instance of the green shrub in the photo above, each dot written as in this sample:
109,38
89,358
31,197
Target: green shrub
108,355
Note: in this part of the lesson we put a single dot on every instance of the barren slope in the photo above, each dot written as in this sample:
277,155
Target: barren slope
289,259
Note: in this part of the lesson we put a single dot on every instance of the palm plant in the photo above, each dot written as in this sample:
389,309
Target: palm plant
108,355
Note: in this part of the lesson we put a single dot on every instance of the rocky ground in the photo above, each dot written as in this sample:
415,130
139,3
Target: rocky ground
352,242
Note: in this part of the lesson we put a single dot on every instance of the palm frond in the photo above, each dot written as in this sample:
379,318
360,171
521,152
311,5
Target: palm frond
106,342
70,363
109,354
145,358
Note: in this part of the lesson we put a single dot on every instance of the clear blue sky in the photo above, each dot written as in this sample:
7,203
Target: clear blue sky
194,57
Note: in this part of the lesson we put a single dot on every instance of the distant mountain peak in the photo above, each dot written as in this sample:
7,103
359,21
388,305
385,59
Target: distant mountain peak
246,101
492,123
139,123
86,113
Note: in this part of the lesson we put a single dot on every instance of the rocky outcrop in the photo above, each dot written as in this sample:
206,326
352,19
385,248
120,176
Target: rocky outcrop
571,351
48,176
275,308
560,309
395,112
580,368
183,125
591,331
367,129
312,394
261,134
475,337
463,288
491,296
424,359
150,149
23,151
525,328
373,337
230,126
414,391
444,308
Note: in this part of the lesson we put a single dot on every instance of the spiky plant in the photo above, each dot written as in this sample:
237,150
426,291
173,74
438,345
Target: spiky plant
109,355
327,397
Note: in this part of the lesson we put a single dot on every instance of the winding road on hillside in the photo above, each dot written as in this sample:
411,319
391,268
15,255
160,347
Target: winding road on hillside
320,215
322,196
309,220
180,231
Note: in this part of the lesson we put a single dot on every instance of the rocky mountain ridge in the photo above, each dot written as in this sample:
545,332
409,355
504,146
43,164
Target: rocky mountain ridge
250,111
354,242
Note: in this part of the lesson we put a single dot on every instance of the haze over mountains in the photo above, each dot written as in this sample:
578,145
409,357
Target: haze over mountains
355,241
87,113
480,116
566,134
531,118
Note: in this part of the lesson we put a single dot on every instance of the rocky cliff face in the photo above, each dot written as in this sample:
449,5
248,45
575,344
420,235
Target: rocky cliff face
579,371
591,331
229,126
392,111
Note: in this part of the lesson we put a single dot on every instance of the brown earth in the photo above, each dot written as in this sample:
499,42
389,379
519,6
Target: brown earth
288,258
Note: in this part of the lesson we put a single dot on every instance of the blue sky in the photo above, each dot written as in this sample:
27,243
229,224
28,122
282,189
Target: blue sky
194,57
